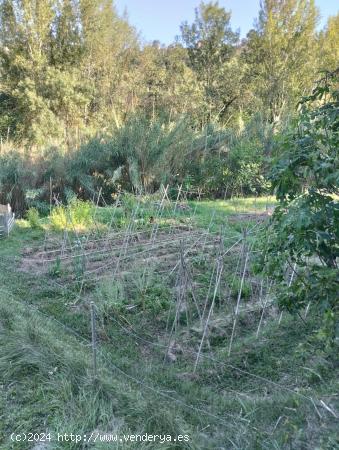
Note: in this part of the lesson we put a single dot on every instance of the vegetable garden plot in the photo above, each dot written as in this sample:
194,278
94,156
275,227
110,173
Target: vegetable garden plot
116,252
206,273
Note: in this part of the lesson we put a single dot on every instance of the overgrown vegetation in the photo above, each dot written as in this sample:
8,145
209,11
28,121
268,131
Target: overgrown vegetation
302,239
84,106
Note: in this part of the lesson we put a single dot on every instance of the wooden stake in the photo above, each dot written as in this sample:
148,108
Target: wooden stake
94,341
217,281
238,302
219,272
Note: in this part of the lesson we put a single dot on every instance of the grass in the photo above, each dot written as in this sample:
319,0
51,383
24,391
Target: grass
258,398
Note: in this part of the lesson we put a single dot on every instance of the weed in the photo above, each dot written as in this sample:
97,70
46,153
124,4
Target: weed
78,215
246,288
55,269
33,218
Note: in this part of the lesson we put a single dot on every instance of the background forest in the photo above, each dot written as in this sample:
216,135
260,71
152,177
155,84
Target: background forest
85,105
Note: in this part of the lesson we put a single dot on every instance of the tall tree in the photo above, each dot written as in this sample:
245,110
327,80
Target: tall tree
61,63
161,83
67,47
280,54
211,45
107,39
24,52
329,45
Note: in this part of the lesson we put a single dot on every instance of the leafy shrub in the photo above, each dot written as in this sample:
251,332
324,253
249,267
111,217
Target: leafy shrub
34,199
33,218
128,203
77,215
58,218
229,162
303,235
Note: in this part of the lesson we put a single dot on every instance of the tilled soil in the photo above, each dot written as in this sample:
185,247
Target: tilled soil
116,252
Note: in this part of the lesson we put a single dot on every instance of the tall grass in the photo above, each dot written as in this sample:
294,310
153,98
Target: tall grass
136,157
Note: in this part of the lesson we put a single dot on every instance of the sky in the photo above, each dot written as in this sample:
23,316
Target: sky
160,19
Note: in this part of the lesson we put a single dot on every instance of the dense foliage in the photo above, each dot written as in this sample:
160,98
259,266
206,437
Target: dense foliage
301,244
85,105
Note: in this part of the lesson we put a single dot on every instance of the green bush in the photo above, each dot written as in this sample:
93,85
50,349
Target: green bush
33,218
303,235
226,161
78,215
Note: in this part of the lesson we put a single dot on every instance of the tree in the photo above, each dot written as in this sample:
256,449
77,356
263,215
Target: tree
46,98
280,54
61,64
328,45
107,40
302,238
211,46
66,37
160,84
23,39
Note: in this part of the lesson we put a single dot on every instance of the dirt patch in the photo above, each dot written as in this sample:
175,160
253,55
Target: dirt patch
250,217
115,253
